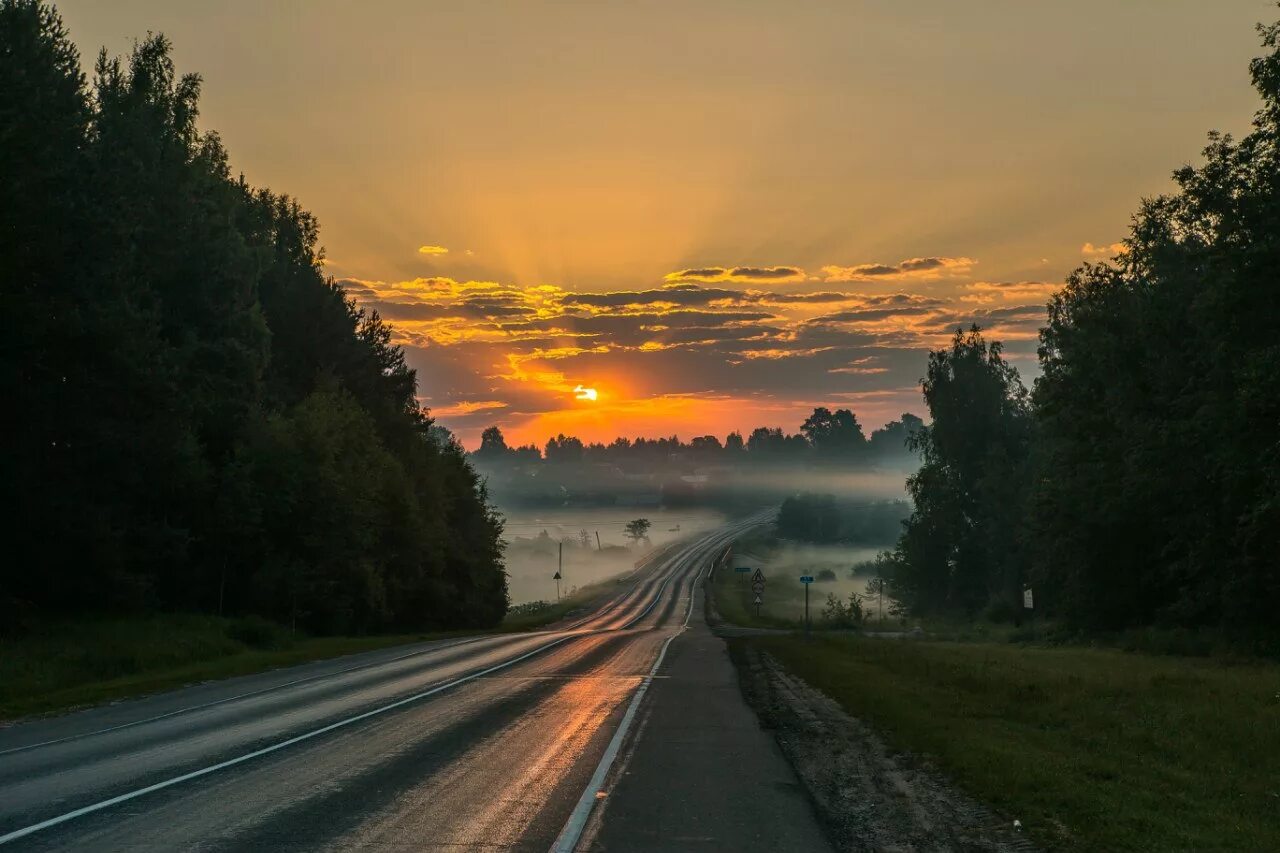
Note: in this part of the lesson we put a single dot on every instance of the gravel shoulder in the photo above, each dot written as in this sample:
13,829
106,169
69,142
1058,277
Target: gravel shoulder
868,796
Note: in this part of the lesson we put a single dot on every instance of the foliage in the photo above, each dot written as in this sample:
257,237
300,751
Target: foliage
822,519
1158,484
638,529
841,614
206,422
1139,486
960,547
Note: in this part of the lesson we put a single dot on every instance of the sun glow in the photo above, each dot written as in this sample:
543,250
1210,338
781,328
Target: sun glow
581,393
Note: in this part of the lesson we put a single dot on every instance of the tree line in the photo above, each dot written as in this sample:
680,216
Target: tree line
825,437
1138,483
199,418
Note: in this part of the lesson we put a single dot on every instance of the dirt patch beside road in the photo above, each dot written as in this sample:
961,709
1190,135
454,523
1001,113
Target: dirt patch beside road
869,797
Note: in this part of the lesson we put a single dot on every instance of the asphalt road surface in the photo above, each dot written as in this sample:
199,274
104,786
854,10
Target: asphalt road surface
491,742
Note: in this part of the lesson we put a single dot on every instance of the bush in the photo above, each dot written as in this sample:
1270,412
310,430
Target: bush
825,575
838,614
258,633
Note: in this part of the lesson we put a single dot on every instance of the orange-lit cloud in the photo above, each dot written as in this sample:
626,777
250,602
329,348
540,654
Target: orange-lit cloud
1108,250
911,268
775,275
686,356
433,250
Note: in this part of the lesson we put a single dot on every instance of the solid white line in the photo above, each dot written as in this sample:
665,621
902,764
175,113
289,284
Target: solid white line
250,694
205,771
571,834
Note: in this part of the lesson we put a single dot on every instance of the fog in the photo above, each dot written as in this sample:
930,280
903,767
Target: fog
531,559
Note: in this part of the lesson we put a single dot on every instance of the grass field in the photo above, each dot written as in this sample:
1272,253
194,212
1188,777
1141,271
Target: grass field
77,663
1090,749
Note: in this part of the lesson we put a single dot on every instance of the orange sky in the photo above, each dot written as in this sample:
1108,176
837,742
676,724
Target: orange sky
717,214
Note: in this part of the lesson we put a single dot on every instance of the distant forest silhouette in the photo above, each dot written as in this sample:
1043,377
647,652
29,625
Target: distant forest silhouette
703,470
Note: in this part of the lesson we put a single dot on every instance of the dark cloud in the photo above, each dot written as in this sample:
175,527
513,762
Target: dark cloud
690,294
767,273
915,264
867,315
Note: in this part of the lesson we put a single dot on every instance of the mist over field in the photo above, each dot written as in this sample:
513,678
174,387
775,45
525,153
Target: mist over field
531,558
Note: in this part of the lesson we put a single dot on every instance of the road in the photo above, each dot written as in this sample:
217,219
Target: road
486,742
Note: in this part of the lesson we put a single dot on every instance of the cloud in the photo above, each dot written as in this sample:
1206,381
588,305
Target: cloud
432,250
1009,291
1107,250
739,274
911,268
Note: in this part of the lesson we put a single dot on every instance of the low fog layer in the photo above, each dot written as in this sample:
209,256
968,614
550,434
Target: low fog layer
532,558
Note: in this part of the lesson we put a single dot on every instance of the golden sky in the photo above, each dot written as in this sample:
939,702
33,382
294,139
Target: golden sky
717,214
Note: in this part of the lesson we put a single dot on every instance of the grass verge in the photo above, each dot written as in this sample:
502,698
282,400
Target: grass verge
76,663
1090,749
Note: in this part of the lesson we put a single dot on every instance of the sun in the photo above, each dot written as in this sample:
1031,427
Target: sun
581,393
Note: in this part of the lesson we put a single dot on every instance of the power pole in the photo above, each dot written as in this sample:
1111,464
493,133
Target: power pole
598,548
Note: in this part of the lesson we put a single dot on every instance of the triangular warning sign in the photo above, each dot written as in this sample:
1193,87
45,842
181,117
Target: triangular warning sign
759,600
556,577
758,577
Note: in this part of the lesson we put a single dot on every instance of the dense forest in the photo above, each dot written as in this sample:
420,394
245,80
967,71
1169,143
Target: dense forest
767,465
199,418
1139,482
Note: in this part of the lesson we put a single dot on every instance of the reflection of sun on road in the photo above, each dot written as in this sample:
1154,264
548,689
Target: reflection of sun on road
581,393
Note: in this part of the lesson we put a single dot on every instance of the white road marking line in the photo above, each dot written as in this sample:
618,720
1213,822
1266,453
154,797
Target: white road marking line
248,695
610,755
594,616
571,834
205,771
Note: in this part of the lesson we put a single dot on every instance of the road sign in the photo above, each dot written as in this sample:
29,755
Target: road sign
1028,601
742,568
759,600
556,576
806,579
757,588
758,577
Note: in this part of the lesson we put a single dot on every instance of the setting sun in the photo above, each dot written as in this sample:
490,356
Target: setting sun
581,393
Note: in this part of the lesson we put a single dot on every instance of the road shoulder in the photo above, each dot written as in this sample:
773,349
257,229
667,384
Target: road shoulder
701,773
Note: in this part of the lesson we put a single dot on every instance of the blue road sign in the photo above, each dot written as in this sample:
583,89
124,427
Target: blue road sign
806,579
742,568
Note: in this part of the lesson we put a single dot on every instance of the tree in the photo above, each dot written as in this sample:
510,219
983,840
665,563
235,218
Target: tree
252,441
1158,463
835,435
891,443
564,449
493,446
961,546
638,529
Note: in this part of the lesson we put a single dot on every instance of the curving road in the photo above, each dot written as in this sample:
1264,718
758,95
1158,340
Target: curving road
486,742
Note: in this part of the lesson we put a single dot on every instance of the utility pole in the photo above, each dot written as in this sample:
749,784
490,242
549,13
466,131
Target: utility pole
806,580
598,548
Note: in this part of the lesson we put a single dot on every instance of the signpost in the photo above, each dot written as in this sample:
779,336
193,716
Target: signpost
757,586
557,580
806,580
741,569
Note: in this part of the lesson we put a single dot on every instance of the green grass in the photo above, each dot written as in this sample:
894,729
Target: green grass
70,664
1090,749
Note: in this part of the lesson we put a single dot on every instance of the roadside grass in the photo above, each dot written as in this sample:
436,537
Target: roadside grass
1091,749
76,663
70,664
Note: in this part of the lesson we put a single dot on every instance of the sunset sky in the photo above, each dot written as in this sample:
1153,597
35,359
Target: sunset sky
716,215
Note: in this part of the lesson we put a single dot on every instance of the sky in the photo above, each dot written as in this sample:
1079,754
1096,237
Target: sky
713,215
